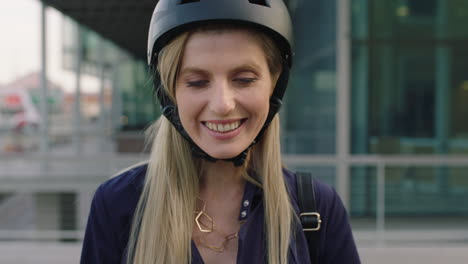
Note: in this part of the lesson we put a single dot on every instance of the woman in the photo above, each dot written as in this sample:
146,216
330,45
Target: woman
214,189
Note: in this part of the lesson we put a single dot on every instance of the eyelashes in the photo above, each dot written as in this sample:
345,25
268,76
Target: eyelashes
201,83
237,81
245,81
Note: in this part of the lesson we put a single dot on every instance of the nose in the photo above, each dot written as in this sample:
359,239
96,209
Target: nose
222,100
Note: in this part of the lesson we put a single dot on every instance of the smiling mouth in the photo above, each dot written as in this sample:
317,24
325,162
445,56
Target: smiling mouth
224,127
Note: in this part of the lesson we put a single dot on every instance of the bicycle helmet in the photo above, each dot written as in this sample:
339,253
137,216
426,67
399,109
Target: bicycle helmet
172,17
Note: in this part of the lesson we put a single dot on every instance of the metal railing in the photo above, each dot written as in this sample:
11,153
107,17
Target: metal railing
95,168
381,163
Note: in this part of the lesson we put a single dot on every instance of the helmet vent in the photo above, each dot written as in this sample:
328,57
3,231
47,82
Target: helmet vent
259,2
181,2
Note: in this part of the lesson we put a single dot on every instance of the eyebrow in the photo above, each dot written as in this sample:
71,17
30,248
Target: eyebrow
193,70
250,66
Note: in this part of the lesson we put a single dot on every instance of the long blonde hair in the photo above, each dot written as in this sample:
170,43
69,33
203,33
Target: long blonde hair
163,220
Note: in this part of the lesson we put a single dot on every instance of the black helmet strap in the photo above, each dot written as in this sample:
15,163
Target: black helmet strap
170,111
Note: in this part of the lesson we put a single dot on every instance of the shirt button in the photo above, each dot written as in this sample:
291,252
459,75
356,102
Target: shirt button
246,203
243,214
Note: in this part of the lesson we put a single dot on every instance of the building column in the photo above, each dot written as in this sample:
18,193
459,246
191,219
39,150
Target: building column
102,128
44,125
116,106
343,100
442,94
77,102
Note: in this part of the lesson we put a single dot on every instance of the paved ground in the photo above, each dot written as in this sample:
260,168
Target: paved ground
35,253
52,253
442,254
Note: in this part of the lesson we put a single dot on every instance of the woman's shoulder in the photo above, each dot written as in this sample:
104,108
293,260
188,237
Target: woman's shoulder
336,242
324,193
121,192
127,180
110,216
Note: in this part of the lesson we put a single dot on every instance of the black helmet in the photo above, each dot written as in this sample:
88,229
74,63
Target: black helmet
172,17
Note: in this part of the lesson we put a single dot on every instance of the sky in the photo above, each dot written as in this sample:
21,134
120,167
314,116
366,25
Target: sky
20,45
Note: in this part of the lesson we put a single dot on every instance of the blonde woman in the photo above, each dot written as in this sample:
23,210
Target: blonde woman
214,189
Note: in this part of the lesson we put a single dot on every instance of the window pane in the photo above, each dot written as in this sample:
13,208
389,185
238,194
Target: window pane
409,79
309,112
411,190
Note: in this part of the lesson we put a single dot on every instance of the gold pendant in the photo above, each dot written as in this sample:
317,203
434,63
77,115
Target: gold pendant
201,225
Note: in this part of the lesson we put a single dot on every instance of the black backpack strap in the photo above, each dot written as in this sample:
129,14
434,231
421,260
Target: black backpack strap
309,216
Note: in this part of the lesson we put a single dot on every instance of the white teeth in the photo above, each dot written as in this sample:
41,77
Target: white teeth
223,128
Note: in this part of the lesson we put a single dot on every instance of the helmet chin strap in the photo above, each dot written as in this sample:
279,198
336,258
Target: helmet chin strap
170,111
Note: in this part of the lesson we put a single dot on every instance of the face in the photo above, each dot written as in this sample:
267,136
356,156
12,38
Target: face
223,91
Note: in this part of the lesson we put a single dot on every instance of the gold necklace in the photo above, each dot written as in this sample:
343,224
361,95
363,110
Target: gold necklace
209,228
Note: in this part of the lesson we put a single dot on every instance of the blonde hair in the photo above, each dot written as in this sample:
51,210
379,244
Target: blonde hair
163,220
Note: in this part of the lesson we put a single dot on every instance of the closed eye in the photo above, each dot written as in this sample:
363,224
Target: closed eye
245,81
197,84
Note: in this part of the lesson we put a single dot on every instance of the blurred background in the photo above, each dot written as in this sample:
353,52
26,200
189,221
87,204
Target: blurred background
377,107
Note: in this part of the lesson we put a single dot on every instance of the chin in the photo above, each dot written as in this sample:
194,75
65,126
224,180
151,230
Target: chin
224,154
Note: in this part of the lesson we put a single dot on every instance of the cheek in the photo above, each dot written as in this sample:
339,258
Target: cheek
259,104
262,101
189,106
184,107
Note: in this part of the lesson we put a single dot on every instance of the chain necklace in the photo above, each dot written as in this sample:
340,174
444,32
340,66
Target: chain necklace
206,225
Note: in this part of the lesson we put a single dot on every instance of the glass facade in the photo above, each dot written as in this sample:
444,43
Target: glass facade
310,102
410,96
139,106
411,191
410,92
134,105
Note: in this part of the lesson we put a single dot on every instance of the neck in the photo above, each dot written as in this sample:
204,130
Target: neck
221,179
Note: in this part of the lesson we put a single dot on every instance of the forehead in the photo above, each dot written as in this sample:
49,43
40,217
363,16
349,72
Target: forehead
223,47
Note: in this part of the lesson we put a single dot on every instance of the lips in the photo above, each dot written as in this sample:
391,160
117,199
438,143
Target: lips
223,126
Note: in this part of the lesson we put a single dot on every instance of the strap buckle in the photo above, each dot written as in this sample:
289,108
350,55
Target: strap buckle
310,221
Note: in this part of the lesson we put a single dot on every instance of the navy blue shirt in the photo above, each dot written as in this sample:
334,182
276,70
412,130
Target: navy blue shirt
114,203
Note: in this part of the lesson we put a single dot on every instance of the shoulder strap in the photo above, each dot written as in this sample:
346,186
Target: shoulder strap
309,216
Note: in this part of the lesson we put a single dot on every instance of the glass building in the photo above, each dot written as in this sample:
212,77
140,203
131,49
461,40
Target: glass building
410,98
